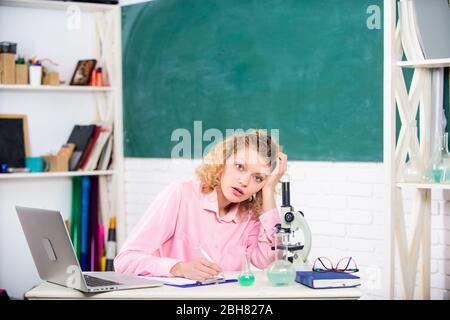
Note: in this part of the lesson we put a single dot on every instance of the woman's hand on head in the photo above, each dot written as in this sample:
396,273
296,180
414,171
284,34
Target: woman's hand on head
277,173
199,269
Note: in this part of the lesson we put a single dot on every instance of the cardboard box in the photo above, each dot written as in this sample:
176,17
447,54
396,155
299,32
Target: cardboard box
60,161
57,163
7,68
21,74
51,78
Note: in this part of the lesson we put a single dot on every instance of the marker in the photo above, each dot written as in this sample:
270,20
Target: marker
111,245
17,170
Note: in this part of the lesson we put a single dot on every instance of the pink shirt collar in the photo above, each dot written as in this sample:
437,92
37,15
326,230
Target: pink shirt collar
210,204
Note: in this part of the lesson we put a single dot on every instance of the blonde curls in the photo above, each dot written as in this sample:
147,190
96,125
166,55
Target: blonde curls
213,165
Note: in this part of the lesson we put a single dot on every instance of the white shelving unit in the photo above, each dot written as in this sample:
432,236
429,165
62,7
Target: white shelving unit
54,188
108,99
412,255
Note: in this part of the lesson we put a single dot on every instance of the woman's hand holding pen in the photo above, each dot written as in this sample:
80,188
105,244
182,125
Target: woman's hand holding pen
199,269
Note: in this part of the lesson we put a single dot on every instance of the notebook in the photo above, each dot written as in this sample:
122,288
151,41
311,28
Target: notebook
327,280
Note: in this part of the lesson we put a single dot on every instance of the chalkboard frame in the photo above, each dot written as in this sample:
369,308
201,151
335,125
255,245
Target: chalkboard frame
24,129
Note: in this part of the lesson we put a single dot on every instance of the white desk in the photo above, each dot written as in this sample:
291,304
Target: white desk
261,289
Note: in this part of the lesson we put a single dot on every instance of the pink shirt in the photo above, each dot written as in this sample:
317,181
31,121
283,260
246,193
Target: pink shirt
181,219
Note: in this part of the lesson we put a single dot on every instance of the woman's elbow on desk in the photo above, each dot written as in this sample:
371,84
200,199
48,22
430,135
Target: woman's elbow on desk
121,265
130,263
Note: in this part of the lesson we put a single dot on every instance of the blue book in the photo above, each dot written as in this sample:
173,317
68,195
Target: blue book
85,240
327,280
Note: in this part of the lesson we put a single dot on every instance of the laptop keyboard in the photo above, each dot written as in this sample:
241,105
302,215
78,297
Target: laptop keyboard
98,282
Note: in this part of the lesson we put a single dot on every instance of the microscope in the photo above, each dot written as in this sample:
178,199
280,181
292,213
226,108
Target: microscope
291,222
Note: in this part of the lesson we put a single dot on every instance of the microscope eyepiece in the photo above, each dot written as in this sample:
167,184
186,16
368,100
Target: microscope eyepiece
289,217
285,194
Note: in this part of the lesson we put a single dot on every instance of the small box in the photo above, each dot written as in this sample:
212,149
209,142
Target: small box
8,47
21,74
51,78
7,68
57,163
60,161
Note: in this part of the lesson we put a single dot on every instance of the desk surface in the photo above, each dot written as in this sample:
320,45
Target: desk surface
261,289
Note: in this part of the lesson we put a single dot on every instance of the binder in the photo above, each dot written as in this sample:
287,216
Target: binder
93,227
88,152
85,190
75,217
81,136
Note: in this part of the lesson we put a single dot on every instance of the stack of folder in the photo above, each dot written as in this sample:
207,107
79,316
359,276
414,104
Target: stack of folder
87,222
93,147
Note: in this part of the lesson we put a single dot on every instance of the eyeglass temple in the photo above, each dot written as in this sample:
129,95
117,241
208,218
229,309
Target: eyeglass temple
323,264
348,262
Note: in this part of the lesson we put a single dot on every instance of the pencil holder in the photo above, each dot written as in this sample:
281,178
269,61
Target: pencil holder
35,75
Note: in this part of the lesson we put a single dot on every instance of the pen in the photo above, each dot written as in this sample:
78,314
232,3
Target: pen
206,255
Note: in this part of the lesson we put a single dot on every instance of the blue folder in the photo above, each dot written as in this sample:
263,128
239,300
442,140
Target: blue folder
85,189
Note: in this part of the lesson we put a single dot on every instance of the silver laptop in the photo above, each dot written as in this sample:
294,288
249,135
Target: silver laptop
55,258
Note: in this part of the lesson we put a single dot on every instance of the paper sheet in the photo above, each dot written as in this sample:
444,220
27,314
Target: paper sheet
179,281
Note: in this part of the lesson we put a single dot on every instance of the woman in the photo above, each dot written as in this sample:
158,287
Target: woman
230,209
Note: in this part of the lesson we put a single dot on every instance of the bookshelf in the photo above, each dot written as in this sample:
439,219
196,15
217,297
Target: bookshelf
409,252
52,111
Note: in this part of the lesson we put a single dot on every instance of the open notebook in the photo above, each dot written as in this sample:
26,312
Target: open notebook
186,283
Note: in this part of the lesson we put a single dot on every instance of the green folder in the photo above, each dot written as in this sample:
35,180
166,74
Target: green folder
75,218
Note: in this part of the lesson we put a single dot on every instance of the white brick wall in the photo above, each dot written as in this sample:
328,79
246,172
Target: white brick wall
343,203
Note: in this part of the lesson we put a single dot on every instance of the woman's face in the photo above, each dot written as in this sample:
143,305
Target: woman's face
245,173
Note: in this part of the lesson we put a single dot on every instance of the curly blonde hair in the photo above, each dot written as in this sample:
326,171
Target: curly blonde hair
213,165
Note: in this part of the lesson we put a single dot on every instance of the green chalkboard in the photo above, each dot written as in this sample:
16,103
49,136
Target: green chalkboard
312,69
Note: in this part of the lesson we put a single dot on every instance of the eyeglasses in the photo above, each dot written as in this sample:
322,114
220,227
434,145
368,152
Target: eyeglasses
324,264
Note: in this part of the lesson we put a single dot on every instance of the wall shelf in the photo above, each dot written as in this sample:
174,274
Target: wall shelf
46,88
57,5
40,175
432,63
420,185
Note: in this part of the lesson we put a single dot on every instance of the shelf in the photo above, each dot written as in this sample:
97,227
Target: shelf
40,175
25,87
432,63
419,185
59,5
